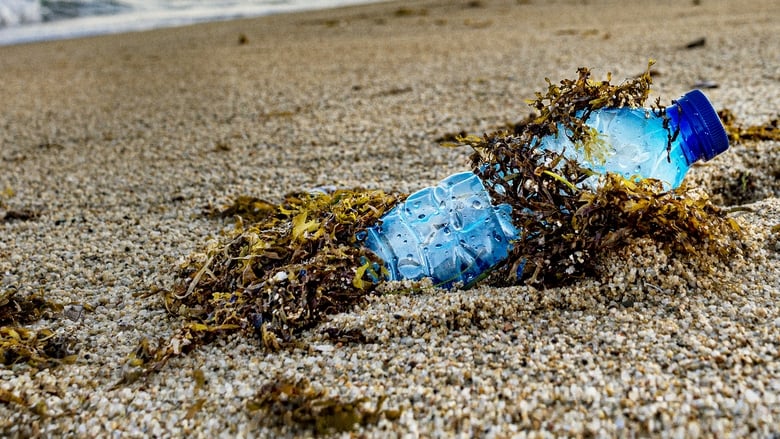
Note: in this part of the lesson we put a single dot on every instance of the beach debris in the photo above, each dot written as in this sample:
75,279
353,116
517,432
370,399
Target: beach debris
10,398
285,267
9,214
565,228
737,133
705,83
7,397
699,42
73,312
282,269
17,309
345,336
298,404
250,209
37,348
404,11
394,91
295,263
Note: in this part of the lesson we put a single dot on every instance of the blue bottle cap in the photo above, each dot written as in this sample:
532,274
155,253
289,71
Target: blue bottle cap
704,124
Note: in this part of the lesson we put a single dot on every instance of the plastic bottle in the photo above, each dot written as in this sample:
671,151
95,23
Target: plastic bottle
452,232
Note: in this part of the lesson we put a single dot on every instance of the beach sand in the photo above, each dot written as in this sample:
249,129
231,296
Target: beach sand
115,145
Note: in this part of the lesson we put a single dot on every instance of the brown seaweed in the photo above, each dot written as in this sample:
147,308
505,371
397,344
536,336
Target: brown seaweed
737,133
294,264
297,404
18,344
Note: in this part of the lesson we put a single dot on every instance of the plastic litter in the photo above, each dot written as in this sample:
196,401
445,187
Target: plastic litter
453,232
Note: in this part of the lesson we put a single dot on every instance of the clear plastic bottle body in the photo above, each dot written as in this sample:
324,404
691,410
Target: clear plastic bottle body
635,141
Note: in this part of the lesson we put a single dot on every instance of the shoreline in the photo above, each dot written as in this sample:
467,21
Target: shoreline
138,21
117,144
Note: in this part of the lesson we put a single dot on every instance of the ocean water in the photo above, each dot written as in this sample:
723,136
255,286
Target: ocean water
23,21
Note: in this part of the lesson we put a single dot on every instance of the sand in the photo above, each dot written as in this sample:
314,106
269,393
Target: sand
118,143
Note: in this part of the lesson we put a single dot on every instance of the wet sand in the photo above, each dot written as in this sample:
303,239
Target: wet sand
118,143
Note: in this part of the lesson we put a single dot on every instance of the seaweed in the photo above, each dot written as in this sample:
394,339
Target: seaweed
565,227
250,209
37,348
7,397
697,43
409,12
294,264
561,103
16,310
19,215
297,404
8,214
41,348
737,133
297,263
346,336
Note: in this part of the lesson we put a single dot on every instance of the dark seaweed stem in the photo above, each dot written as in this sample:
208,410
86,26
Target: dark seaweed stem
671,136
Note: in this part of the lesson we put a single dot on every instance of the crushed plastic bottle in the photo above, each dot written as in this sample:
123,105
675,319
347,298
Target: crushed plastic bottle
450,232
453,233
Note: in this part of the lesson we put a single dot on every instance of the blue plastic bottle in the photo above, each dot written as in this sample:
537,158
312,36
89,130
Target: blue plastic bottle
452,232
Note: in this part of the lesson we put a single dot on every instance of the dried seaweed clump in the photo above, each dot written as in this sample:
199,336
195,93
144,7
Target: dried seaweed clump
737,133
41,348
297,263
565,226
37,348
16,309
297,404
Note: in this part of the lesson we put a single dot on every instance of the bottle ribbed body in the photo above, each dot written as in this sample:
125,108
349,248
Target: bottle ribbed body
450,232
